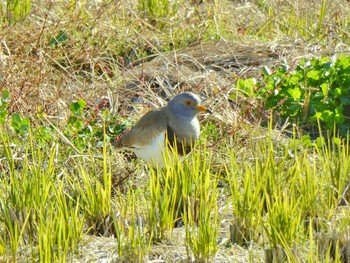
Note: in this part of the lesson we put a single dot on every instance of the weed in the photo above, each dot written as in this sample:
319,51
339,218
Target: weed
314,90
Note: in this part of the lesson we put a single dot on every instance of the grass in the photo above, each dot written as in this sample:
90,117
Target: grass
284,210
76,74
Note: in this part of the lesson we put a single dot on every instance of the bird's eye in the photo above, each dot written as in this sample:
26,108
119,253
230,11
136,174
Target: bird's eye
188,102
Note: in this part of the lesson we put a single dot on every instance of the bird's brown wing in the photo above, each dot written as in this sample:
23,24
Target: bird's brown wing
144,131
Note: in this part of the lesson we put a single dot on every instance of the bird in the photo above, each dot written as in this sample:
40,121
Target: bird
174,126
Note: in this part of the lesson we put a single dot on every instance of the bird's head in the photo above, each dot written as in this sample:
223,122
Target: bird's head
187,104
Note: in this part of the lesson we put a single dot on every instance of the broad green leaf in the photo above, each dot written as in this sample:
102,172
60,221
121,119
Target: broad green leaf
82,103
343,62
326,64
5,95
16,118
25,121
247,86
295,92
339,109
306,141
58,39
326,116
324,88
313,74
320,141
77,107
337,92
78,124
339,118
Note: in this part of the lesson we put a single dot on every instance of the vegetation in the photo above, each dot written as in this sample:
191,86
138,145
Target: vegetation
269,180
317,90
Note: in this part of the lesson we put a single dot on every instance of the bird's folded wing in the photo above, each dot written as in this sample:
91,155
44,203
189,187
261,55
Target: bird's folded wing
145,130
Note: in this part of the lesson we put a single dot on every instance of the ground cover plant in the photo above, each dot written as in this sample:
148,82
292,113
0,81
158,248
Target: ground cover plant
315,91
269,180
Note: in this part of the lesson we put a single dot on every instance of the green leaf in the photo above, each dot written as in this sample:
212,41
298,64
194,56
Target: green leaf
5,95
339,109
313,74
326,116
326,64
74,107
247,86
82,103
324,88
337,92
343,62
25,124
78,124
44,133
339,118
58,39
16,118
294,92
320,141
19,124
3,116
306,141
77,107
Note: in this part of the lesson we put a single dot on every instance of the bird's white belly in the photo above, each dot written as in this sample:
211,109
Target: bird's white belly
153,152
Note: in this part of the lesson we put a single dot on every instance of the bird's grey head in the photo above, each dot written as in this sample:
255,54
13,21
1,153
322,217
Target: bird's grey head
186,104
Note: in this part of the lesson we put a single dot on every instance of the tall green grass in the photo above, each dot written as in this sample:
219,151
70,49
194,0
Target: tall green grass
12,11
275,193
288,196
183,194
36,215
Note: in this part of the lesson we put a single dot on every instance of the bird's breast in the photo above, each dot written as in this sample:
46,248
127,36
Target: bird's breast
187,130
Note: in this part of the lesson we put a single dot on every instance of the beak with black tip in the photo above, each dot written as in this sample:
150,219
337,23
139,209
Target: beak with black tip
203,109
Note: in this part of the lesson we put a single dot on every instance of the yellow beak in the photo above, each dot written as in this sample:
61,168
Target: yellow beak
204,109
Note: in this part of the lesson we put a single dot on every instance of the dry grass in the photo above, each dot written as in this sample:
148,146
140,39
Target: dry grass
109,45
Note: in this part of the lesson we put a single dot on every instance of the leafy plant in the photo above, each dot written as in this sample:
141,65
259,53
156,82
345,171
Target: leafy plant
86,126
317,89
19,124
